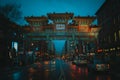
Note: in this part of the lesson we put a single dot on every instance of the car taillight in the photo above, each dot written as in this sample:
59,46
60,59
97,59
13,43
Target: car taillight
97,65
108,65
102,65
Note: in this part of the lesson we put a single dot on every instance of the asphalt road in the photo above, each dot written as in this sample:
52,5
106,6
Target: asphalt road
55,70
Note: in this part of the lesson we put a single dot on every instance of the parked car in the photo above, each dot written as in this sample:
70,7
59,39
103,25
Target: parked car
81,60
98,63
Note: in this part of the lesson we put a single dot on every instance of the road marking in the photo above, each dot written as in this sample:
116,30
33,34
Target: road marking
62,75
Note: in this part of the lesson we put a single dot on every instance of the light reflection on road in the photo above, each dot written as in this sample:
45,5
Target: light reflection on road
78,73
81,73
71,72
16,76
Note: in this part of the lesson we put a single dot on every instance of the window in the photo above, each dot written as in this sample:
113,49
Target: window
115,36
119,34
118,18
15,45
114,21
109,39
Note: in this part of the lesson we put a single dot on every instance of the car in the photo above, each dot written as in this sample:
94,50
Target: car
98,64
50,65
81,60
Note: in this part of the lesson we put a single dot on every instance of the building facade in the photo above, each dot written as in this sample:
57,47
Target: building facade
11,40
109,19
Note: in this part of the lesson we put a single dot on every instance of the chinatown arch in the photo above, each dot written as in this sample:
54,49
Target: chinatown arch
78,32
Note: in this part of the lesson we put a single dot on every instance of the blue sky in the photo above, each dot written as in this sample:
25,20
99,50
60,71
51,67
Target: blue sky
42,7
59,45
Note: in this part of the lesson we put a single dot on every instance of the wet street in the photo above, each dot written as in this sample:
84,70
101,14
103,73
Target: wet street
55,70
59,40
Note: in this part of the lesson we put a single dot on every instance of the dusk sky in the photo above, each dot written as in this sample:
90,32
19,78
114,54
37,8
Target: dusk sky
42,7
59,45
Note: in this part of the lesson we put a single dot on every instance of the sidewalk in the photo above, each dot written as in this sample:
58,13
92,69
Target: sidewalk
9,70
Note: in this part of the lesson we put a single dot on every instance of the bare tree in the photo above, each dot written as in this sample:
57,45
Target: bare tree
11,11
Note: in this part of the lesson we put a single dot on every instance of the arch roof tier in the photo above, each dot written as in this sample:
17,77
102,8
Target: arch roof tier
53,16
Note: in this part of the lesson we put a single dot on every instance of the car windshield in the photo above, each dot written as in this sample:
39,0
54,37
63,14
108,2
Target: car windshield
99,61
83,57
99,58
